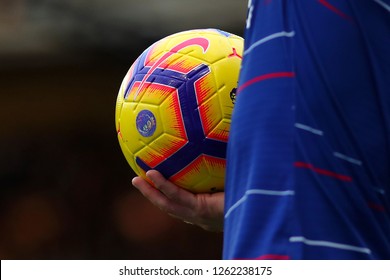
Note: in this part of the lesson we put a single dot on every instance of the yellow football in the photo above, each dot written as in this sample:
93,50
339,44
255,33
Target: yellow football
174,107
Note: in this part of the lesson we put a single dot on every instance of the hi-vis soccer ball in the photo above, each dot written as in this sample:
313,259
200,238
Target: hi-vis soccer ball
174,107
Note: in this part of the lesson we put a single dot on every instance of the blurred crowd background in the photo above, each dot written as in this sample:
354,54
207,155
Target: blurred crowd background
65,187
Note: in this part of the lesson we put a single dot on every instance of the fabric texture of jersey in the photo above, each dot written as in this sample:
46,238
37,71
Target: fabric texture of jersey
308,174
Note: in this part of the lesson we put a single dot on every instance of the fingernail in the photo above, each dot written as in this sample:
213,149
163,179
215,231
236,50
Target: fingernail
148,175
150,178
132,181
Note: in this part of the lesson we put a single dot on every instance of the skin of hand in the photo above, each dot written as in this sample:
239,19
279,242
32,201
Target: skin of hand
204,210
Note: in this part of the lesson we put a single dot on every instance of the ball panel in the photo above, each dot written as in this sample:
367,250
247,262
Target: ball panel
138,123
229,70
166,145
150,156
211,116
220,131
153,93
130,158
173,123
175,62
205,87
204,174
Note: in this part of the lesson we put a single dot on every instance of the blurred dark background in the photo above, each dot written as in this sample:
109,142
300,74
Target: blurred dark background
65,187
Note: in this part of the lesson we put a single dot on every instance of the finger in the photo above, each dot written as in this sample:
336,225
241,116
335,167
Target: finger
159,199
172,191
150,192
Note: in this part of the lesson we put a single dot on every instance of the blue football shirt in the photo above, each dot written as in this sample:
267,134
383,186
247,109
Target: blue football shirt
308,173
